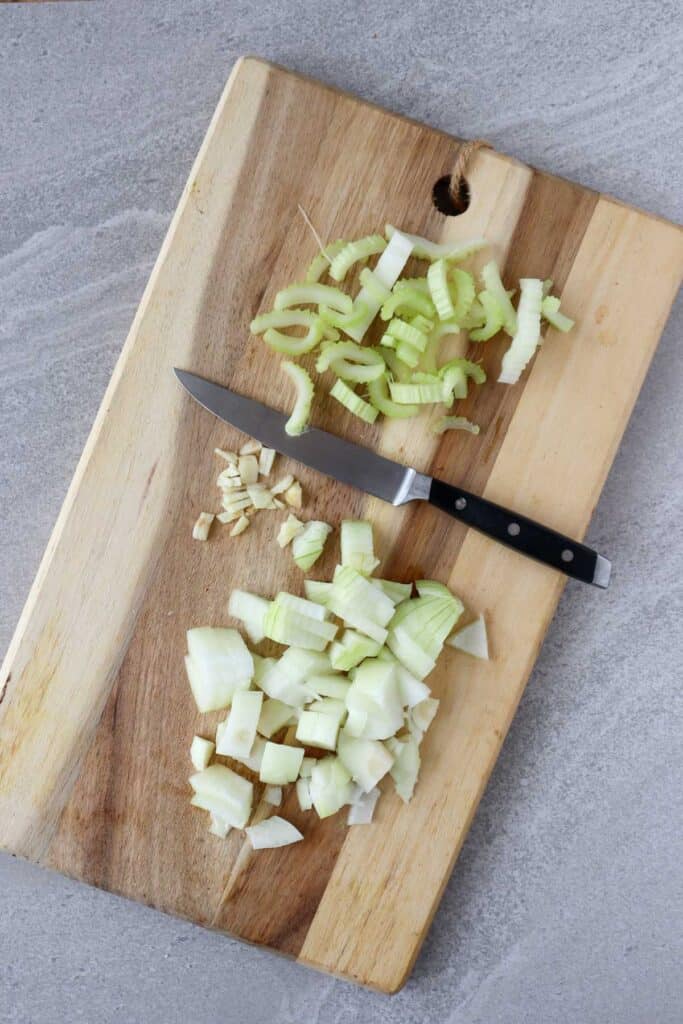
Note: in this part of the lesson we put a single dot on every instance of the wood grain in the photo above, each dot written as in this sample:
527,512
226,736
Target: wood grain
96,716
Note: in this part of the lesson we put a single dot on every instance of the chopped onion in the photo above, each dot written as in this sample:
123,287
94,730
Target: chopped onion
273,832
280,763
265,460
275,714
307,546
223,792
285,680
421,717
273,795
330,684
375,694
282,484
201,753
333,706
307,767
316,590
228,456
360,604
200,530
406,766
251,609
362,810
330,785
218,665
298,421
285,625
219,827
395,591
357,546
472,639
317,729
348,652
239,730
253,762
290,529
303,793
367,761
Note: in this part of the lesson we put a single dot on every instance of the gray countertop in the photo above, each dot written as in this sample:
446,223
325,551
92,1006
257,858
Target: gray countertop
562,905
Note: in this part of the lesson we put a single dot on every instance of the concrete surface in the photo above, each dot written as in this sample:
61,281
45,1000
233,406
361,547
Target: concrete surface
563,905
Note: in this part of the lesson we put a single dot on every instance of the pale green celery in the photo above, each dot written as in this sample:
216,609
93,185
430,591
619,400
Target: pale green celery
378,393
428,361
397,368
298,421
289,345
377,292
366,364
528,333
475,318
317,294
437,277
425,249
320,263
340,320
490,275
550,310
462,284
279,318
387,340
470,369
494,317
416,394
407,300
408,354
387,271
353,402
403,331
356,252
455,423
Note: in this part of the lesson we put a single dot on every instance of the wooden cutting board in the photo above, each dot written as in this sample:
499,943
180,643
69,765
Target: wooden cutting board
96,716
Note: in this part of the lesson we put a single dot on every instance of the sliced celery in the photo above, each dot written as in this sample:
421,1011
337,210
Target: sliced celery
353,402
298,421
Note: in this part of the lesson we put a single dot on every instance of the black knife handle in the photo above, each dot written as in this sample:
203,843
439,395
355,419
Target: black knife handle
521,534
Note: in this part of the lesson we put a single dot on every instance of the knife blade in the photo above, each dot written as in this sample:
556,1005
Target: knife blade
397,484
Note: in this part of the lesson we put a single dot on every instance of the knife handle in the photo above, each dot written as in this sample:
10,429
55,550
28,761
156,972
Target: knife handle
522,534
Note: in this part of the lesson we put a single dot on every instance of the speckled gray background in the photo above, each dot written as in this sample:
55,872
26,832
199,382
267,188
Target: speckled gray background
565,904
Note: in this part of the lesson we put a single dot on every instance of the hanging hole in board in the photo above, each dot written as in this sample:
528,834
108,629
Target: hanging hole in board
445,202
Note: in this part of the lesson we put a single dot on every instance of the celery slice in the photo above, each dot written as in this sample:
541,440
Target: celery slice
437,277
387,271
528,333
365,363
353,402
417,394
490,275
425,249
550,311
356,252
320,264
455,423
494,317
298,421
316,294
378,393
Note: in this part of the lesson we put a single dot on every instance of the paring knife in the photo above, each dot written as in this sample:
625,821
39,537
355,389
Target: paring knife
398,484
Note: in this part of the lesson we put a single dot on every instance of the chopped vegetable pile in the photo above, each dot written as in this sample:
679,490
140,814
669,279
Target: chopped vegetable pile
400,373
345,704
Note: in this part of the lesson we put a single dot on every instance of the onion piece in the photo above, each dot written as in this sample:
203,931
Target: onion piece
285,680
282,484
293,495
406,766
353,648
307,546
260,496
251,609
251,447
303,793
275,714
200,530
317,729
230,457
248,468
367,761
290,529
362,810
273,795
272,832
218,665
357,546
317,590
360,604
219,827
223,792
280,763
298,421
330,786
330,684
472,639
421,717
239,729
201,752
